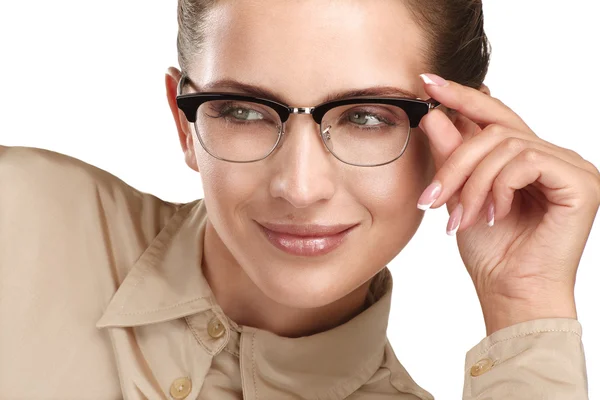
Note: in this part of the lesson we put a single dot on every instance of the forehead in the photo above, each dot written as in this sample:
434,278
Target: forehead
305,49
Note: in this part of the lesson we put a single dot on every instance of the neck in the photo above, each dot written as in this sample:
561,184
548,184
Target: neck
244,303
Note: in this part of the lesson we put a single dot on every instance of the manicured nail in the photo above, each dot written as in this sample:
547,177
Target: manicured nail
429,196
491,215
454,222
433,79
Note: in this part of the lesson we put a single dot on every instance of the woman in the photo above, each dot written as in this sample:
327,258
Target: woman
274,286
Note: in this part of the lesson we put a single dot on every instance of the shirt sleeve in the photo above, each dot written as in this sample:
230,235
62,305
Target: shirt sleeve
541,359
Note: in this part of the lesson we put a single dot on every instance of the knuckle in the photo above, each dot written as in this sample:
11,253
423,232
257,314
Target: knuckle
494,130
575,155
514,145
570,154
531,155
575,158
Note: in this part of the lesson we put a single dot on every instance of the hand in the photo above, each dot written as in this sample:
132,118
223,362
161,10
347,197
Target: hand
539,199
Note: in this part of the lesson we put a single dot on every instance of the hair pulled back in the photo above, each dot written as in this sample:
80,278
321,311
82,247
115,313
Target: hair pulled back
458,46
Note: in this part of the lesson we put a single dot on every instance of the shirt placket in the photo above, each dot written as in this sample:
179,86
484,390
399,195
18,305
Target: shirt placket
179,353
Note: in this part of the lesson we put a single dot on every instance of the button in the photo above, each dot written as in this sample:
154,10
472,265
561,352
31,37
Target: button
481,367
180,388
215,328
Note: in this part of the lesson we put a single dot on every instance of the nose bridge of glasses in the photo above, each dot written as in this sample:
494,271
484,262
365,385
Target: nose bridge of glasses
301,110
305,111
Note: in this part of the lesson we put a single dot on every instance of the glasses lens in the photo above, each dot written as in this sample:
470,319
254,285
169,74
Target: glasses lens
237,130
366,134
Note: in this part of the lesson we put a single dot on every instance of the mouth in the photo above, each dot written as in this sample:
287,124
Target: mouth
306,240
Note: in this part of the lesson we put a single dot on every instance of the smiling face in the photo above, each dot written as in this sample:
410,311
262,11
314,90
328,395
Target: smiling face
305,51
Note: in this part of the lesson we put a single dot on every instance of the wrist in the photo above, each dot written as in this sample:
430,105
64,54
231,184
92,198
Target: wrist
500,312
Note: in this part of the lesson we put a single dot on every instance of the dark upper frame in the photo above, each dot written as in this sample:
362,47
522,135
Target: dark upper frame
415,109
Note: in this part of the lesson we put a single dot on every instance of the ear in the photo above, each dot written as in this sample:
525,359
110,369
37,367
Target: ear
186,139
465,126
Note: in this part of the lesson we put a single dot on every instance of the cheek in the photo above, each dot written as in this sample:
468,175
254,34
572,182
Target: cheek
227,186
394,189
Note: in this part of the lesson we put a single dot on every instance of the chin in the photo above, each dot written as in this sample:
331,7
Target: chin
299,285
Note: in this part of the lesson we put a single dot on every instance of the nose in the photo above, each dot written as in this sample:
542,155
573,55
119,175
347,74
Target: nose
305,171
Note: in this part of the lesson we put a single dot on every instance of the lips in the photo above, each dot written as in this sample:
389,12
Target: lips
306,240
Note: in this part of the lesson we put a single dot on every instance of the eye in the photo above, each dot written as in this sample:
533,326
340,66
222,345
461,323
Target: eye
365,118
241,113
236,111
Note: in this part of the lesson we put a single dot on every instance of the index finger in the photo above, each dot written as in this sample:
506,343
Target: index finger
479,107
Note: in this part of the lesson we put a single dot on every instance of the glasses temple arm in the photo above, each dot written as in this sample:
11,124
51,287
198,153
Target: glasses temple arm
182,82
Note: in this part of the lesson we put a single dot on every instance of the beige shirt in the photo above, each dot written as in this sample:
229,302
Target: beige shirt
102,297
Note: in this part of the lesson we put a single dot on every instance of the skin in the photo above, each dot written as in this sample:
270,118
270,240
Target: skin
477,155
544,199
256,284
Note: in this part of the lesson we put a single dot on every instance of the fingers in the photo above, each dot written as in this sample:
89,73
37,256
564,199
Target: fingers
486,152
469,161
472,103
508,169
562,183
467,175
443,136
475,192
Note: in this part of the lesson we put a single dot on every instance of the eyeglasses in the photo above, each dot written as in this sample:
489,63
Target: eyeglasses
360,131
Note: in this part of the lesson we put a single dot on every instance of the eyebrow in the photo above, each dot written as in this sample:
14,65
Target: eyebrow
258,91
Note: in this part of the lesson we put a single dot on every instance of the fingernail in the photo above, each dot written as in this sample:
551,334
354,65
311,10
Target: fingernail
454,222
491,215
433,79
429,196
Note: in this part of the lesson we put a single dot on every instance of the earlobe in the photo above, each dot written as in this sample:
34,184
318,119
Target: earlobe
190,152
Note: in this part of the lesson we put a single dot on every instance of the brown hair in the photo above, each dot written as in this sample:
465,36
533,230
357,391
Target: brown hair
459,49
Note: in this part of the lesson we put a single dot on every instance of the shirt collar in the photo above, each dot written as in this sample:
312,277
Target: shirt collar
328,365
167,283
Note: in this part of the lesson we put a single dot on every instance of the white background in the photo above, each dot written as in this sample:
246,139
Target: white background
87,79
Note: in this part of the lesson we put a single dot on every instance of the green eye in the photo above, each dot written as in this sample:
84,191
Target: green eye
365,119
244,114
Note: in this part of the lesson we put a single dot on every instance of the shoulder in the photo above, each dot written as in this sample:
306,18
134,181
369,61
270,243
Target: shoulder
34,165
49,175
40,186
391,381
65,207
41,171
69,234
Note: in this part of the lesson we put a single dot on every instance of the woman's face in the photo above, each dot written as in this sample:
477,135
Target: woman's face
304,51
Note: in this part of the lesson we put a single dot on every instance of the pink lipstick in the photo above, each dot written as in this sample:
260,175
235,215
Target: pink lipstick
306,240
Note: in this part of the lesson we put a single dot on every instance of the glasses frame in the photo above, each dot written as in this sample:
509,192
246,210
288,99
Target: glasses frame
189,103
